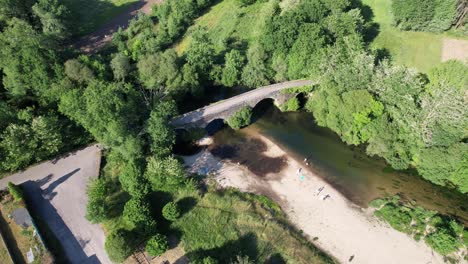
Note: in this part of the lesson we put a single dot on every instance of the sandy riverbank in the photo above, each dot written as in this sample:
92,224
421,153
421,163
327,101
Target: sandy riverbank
343,230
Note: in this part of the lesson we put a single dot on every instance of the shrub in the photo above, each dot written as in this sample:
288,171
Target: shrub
442,242
157,245
291,105
119,245
377,203
15,191
137,211
241,118
171,211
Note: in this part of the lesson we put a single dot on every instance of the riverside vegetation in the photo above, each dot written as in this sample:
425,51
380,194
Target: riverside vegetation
54,99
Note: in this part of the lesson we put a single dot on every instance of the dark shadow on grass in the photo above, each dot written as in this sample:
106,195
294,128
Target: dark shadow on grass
186,204
246,245
276,259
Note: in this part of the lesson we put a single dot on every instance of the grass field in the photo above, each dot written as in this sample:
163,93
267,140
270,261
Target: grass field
228,21
225,224
91,14
421,50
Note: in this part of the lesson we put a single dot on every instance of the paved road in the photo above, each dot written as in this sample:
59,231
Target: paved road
222,106
57,190
96,40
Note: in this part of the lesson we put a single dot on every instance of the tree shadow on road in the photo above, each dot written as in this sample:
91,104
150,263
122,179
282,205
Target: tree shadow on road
49,193
63,244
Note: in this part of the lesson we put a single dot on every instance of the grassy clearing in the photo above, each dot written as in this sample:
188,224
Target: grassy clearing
228,21
18,239
421,50
91,14
226,224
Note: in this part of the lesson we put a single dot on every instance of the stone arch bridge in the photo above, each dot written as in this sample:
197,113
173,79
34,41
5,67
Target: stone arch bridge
225,108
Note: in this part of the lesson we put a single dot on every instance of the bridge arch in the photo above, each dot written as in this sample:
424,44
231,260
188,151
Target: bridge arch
215,125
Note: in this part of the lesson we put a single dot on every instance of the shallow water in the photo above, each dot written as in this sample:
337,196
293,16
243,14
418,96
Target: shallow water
359,177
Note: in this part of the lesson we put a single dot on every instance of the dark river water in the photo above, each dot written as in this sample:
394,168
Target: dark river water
359,177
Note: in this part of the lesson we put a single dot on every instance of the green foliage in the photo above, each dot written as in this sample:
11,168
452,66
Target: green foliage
422,15
28,60
291,105
444,236
15,191
121,67
240,224
241,118
97,208
165,174
161,72
119,245
234,61
442,242
137,212
157,245
52,15
256,72
132,180
377,203
171,211
162,136
111,112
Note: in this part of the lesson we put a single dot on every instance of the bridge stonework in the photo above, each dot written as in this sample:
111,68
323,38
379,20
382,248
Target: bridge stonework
226,108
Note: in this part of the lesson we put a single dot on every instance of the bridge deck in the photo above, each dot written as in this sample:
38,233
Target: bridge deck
221,106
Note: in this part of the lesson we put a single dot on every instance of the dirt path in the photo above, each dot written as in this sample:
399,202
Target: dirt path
97,39
342,229
455,49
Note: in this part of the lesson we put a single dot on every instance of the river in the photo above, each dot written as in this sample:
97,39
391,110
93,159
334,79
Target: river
359,177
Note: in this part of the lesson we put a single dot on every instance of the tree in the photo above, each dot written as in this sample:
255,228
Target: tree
15,191
161,72
241,118
97,208
200,53
442,242
132,180
28,60
119,245
120,65
165,174
77,71
256,72
162,136
157,245
137,212
171,211
19,145
234,61
53,16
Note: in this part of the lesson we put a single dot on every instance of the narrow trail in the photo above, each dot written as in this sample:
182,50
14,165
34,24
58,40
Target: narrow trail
96,40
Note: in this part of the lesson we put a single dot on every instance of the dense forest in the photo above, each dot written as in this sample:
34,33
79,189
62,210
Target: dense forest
54,99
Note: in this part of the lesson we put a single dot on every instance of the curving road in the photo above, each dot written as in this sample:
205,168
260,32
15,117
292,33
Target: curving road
213,110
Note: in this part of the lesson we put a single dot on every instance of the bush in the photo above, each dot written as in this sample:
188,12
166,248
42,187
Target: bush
157,245
15,191
442,242
119,245
171,211
241,118
291,105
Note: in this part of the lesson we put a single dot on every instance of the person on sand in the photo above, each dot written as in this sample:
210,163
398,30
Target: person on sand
320,190
326,196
